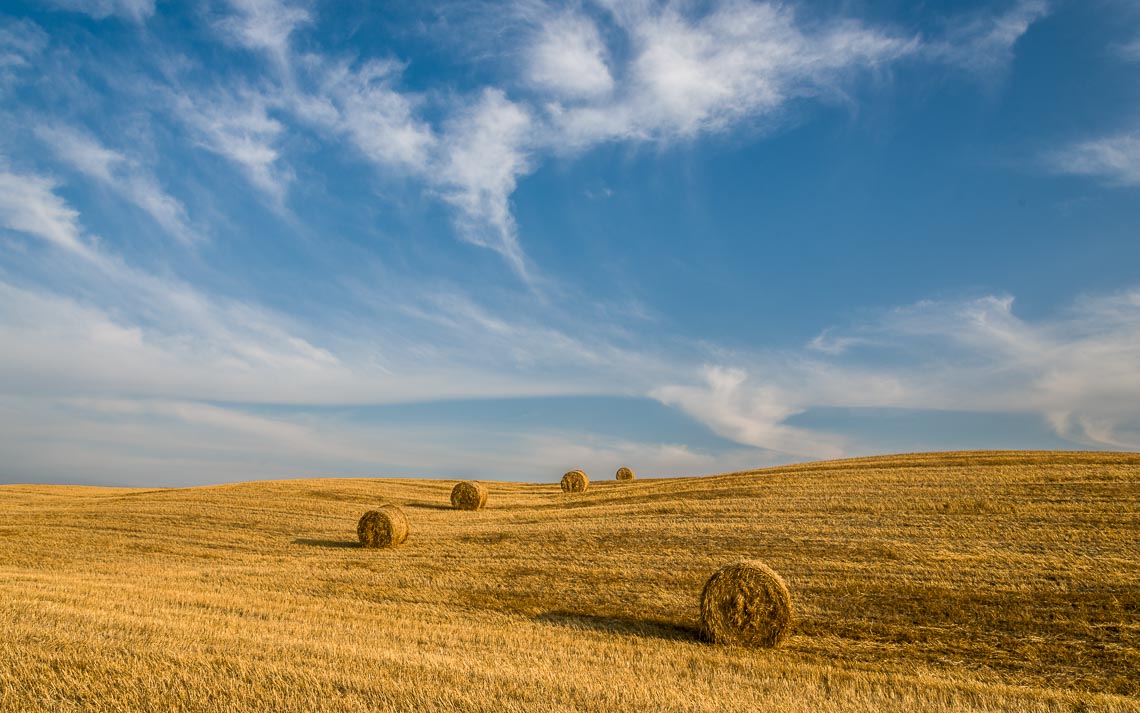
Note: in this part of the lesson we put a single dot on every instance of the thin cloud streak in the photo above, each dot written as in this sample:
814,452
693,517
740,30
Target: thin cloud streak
21,41
30,205
1113,159
121,174
239,128
984,44
127,441
134,10
264,26
1080,371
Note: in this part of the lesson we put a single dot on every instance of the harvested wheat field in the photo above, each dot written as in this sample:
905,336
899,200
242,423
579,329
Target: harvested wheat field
963,581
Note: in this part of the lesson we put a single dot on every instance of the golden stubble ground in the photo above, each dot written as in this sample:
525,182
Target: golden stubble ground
961,581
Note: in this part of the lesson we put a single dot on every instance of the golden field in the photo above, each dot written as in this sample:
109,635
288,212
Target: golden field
957,581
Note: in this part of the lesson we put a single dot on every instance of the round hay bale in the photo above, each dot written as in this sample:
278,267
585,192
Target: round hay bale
624,473
468,495
384,527
747,604
576,481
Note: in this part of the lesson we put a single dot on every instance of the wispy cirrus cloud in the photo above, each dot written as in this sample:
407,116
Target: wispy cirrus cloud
29,205
748,411
684,76
983,43
1079,371
133,10
238,126
1130,51
568,57
153,347
21,41
681,73
117,330
740,61
486,151
120,354
687,73
125,441
124,175
363,104
264,26
1114,159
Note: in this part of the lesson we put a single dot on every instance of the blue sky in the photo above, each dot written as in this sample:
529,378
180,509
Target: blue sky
246,239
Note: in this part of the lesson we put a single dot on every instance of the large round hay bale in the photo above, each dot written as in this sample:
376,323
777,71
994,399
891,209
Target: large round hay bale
576,481
468,495
384,527
624,473
747,604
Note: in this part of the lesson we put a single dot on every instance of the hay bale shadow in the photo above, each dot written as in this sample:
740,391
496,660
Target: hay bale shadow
429,506
326,543
623,625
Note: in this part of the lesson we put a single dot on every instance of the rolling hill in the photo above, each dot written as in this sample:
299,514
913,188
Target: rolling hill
925,582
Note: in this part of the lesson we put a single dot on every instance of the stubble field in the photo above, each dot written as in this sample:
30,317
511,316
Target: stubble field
931,582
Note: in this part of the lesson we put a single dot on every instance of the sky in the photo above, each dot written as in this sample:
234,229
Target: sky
255,239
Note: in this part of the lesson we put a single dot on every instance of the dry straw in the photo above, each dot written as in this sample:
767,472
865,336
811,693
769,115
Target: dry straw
468,495
576,481
624,473
384,527
747,604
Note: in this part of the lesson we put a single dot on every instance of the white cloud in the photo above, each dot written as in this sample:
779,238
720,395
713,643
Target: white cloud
485,150
159,338
82,151
828,343
239,128
568,58
1079,370
688,75
109,329
671,71
128,394
134,10
748,412
162,342
682,72
984,43
1114,159
473,162
686,71
176,342
29,205
125,176
264,26
1130,51
363,105
149,442
21,41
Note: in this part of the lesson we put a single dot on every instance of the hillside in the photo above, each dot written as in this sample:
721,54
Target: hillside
958,581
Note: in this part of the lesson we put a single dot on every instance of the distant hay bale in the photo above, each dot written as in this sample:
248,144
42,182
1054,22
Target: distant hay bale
384,527
624,473
468,495
576,481
747,604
